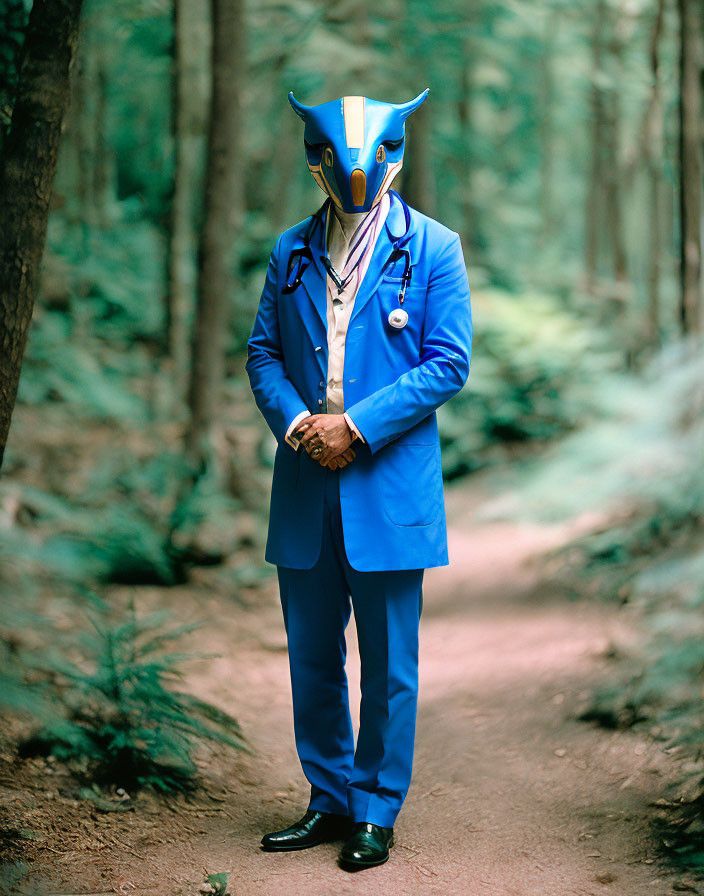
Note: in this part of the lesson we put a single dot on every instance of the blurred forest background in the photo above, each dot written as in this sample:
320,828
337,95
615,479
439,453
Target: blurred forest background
563,140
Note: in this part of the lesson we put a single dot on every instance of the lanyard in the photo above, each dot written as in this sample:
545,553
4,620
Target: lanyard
364,226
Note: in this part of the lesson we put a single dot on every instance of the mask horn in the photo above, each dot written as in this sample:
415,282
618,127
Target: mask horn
298,108
405,109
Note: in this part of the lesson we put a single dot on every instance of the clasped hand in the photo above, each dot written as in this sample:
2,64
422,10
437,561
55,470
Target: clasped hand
327,439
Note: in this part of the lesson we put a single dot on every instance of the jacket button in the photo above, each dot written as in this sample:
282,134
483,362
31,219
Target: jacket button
321,384
320,401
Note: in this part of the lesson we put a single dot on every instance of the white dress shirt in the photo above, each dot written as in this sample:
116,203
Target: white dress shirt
349,256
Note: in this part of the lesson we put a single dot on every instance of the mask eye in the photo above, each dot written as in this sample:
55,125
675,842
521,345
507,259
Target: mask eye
314,148
327,157
380,153
393,145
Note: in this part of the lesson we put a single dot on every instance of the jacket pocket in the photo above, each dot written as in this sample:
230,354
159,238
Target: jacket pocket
411,487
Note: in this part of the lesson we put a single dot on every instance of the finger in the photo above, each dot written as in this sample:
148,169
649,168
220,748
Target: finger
311,434
310,421
316,435
330,451
349,454
302,427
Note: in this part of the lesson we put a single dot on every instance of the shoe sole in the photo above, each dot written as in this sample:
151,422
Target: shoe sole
295,847
292,848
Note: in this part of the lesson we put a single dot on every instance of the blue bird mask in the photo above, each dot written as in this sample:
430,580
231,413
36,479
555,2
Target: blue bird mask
354,147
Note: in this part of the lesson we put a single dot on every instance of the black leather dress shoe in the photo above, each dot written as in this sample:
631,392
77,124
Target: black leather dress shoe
368,846
314,828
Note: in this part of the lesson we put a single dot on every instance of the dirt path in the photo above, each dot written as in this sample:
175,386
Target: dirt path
511,795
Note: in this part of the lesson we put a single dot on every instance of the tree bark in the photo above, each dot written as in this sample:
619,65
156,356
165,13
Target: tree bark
27,170
690,146
187,127
595,185
221,227
653,144
471,229
613,171
546,130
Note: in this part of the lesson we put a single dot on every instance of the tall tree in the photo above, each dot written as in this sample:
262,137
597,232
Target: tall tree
595,181
27,169
612,133
469,210
690,144
221,226
187,126
653,149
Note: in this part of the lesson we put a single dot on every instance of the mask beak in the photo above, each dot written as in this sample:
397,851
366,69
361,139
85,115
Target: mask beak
358,185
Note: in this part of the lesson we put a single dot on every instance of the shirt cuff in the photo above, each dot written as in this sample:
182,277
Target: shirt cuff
354,429
294,441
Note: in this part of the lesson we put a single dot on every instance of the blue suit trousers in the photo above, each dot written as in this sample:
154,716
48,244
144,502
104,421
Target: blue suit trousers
369,780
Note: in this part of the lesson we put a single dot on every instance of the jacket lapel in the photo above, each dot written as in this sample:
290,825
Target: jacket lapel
314,278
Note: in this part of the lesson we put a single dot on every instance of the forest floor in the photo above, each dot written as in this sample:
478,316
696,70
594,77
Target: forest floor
512,795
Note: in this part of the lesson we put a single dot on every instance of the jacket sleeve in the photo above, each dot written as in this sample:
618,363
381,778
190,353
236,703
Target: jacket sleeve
274,393
445,356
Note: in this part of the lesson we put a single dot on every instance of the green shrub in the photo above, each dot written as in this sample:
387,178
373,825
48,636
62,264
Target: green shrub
124,721
532,375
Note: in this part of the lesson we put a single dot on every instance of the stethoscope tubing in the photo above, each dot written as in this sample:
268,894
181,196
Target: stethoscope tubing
398,249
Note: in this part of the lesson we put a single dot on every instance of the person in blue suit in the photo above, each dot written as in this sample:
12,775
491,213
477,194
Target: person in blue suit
363,330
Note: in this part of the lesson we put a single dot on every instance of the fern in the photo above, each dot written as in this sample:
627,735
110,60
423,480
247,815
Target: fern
125,720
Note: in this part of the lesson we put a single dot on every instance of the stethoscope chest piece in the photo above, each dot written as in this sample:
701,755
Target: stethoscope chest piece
398,318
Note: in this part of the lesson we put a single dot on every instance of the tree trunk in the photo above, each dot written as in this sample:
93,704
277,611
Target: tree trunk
471,229
221,226
187,127
690,145
595,185
546,129
613,171
82,116
653,143
27,170
102,168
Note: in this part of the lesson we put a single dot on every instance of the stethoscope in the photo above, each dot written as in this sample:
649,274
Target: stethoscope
303,256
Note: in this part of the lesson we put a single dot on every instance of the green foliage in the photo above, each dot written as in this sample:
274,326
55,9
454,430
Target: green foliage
118,275
216,884
636,459
535,366
639,466
20,697
105,541
659,685
125,723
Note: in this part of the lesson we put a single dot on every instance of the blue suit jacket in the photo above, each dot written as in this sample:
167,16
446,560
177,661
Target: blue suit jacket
391,494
